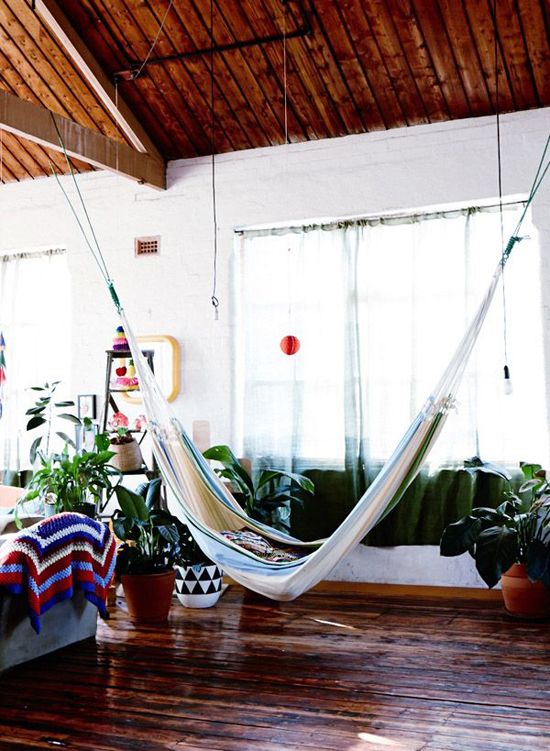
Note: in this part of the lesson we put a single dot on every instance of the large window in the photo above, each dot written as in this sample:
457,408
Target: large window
35,318
379,306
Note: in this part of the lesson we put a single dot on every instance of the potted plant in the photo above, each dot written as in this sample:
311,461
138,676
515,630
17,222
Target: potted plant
269,498
198,579
45,412
82,482
510,543
127,453
145,560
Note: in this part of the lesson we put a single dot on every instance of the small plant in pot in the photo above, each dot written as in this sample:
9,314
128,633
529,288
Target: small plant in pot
510,543
198,579
127,453
82,482
150,545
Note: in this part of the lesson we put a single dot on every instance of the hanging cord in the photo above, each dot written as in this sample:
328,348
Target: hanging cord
159,32
95,248
507,380
213,299
285,94
1,156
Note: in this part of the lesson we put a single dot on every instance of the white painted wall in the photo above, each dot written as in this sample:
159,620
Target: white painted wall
411,168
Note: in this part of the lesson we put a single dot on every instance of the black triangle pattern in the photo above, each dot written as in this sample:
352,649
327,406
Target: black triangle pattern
198,581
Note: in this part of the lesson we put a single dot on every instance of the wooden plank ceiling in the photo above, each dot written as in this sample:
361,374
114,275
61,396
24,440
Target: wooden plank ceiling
366,65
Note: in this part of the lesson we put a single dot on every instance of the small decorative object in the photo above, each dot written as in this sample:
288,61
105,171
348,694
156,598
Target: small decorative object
140,423
510,543
127,453
198,580
120,343
132,378
145,560
290,344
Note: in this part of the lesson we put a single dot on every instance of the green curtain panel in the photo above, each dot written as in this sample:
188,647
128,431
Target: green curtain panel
430,503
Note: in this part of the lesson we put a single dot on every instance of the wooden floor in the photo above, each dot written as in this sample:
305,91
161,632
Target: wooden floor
349,671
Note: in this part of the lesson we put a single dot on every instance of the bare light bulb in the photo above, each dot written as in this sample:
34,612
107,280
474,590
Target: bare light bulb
508,387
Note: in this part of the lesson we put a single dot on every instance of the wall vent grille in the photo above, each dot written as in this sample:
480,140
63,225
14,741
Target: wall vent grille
147,246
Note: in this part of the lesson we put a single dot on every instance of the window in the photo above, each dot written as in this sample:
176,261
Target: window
35,318
379,306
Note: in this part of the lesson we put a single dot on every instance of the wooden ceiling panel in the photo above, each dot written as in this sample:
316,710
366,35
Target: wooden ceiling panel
351,66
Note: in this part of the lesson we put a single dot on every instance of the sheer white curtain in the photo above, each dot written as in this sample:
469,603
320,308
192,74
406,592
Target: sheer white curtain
379,306
35,317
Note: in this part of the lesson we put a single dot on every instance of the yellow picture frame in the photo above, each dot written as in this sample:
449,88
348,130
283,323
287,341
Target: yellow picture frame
169,377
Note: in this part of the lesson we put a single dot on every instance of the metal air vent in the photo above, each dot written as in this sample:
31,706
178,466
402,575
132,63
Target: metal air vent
147,246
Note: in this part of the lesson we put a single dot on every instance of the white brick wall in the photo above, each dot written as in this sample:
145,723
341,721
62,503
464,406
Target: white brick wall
409,168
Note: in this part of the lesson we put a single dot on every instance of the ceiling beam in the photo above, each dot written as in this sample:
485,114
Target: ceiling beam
50,12
40,125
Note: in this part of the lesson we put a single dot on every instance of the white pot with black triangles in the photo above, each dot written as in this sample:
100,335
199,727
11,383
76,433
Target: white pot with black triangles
199,586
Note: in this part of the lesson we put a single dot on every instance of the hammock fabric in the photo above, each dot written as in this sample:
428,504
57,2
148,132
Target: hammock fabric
209,509
51,559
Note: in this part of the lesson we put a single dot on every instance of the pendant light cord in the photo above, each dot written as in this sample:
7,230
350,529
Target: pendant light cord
152,47
213,299
499,177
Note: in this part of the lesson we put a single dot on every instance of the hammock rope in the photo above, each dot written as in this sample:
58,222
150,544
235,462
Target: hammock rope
207,506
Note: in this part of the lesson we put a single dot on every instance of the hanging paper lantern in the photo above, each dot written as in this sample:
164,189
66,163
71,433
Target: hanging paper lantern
290,344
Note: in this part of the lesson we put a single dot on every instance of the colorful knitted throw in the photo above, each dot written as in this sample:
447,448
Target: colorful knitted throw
52,559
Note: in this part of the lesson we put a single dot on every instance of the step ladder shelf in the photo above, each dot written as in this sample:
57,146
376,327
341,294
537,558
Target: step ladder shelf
109,402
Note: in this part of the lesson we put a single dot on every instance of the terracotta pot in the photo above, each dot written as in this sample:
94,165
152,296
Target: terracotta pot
127,456
523,598
149,596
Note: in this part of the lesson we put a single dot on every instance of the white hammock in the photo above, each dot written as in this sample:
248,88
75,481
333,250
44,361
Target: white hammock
207,507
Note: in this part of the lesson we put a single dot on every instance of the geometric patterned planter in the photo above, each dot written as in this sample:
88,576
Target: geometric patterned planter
198,586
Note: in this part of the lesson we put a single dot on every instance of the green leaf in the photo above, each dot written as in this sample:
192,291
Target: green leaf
169,532
496,550
475,464
37,388
64,404
459,537
35,445
35,422
267,475
225,456
132,504
35,410
70,418
65,437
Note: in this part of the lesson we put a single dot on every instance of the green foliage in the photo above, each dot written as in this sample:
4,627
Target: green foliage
269,499
518,531
44,412
151,536
69,482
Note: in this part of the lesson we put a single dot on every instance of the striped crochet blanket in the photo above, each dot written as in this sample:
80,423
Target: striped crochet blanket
51,559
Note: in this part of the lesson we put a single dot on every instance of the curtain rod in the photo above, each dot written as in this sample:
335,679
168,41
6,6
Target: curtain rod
372,221
32,254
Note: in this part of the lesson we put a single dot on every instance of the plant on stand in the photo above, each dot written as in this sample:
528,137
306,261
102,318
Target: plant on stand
510,543
126,451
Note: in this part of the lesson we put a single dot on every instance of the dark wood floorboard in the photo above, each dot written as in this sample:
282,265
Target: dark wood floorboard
332,671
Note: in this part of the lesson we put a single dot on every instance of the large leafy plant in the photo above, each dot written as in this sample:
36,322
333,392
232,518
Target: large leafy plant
151,536
269,498
517,531
43,414
71,482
